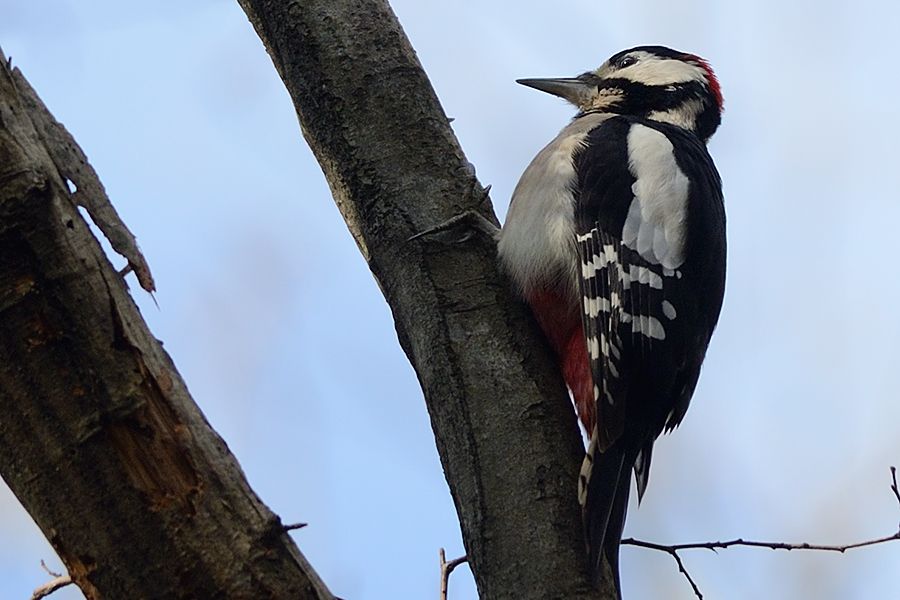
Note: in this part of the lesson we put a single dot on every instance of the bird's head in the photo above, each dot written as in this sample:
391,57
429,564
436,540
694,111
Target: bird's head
653,82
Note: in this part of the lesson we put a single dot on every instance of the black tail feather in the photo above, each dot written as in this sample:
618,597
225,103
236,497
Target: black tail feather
607,503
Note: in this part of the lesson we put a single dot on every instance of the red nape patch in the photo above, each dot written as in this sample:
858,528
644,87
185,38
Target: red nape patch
714,86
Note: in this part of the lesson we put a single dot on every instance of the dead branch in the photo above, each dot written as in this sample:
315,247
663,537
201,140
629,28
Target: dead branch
51,586
447,568
89,193
100,439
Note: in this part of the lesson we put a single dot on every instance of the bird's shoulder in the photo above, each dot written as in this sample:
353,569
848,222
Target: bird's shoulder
620,151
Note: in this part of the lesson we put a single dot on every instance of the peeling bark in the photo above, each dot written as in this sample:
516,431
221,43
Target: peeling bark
504,426
99,437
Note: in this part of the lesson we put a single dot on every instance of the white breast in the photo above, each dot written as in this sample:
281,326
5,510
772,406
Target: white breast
537,243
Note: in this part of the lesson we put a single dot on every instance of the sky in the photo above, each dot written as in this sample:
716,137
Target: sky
262,290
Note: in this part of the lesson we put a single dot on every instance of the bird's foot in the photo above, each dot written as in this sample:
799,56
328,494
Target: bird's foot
461,228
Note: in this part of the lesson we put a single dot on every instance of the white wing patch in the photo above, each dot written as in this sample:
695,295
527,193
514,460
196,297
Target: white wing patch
656,223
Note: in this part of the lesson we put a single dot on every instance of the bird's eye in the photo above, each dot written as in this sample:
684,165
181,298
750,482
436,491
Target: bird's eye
625,61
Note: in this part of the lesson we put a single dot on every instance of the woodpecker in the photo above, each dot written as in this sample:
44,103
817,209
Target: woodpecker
615,237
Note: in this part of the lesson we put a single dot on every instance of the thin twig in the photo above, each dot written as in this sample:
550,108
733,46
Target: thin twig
51,586
673,549
446,569
894,484
773,545
681,569
49,572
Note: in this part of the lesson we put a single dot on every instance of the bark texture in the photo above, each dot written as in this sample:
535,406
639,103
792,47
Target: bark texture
99,438
504,426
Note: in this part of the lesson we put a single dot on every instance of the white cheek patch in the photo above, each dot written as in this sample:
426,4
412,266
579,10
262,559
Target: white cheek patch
684,115
655,226
653,70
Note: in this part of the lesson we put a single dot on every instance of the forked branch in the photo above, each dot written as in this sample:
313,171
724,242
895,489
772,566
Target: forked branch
674,549
447,568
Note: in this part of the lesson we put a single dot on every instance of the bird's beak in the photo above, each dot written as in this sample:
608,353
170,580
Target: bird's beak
573,89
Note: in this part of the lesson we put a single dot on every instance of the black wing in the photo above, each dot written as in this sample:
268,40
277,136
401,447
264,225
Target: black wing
652,290
651,239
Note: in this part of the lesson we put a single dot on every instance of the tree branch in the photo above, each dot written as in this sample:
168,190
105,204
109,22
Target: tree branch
100,439
502,420
60,581
752,544
73,165
673,549
447,567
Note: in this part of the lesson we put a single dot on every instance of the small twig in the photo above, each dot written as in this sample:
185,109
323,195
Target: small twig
293,526
446,569
49,572
681,568
51,586
894,484
674,549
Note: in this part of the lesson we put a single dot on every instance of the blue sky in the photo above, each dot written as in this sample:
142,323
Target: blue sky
288,347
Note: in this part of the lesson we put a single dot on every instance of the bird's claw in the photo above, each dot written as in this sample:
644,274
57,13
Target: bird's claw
468,223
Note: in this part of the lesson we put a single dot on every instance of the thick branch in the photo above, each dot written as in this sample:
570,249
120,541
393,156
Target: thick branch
99,438
503,424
